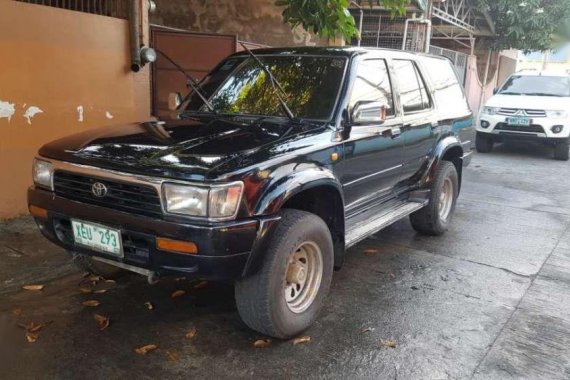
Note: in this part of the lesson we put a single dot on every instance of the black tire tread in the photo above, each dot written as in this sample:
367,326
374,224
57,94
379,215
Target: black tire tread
561,150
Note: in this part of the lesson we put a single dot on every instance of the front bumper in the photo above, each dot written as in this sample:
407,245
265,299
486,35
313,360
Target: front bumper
224,248
540,128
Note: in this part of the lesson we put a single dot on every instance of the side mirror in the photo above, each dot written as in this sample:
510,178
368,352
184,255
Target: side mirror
368,112
174,101
495,90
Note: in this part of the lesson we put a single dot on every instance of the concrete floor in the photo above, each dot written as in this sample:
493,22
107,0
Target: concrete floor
490,299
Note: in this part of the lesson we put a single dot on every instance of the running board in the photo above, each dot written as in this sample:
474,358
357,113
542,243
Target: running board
367,227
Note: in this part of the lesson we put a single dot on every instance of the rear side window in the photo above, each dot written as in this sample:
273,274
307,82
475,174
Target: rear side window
413,93
448,92
373,85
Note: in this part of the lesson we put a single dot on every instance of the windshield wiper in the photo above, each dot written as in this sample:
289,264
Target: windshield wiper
193,84
274,83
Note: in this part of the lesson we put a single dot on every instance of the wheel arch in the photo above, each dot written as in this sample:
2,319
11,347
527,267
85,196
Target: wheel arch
448,149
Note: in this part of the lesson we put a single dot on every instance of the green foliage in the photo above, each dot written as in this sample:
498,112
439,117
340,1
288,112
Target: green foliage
527,24
330,18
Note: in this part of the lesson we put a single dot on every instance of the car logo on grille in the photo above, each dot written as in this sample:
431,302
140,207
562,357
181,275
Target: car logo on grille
99,189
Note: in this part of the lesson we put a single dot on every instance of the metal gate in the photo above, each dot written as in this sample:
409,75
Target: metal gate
459,60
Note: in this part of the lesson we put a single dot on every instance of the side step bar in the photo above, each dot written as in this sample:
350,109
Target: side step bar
375,223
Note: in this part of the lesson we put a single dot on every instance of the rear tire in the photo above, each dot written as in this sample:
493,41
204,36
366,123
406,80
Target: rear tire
273,301
483,144
88,264
561,150
435,218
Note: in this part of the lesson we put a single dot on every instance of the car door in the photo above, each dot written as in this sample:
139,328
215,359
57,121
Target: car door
420,121
373,150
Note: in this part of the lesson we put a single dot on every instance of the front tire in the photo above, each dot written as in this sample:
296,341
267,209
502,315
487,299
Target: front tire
561,150
285,296
483,144
435,218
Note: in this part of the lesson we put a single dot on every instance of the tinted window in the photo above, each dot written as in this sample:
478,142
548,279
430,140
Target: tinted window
372,84
311,85
448,92
413,92
537,85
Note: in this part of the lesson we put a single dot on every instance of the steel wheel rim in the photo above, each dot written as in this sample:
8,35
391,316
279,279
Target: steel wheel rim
303,276
446,199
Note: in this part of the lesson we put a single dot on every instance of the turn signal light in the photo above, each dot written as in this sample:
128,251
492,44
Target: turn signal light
178,246
38,212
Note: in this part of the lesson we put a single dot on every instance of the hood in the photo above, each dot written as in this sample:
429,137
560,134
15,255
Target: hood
529,102
186,149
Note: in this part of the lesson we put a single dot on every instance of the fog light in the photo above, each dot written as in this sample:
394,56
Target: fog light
177,246
557,128
485,124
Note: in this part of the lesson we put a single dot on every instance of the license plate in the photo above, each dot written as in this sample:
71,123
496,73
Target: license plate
97,237
518,121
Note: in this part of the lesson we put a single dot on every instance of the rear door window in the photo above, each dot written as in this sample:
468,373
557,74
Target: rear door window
413,93
448,92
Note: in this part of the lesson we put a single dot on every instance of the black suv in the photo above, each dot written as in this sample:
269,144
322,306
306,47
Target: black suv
274,165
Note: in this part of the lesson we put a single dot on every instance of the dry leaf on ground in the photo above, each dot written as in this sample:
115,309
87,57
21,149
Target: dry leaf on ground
145,349
31,337
100,291
17,312
261,343
33,287
371,251
91,303
191,333
84,289
301,339
110,281
388,343
177,293
149,305
95,278
172,356
32,327
201,284
102,321
367,329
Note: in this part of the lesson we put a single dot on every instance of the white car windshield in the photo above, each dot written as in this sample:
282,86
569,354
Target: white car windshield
537,85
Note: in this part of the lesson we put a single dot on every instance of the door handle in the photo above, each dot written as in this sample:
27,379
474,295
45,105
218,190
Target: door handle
396,132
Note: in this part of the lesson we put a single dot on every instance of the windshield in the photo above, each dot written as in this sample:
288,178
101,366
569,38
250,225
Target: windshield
537,85
310,85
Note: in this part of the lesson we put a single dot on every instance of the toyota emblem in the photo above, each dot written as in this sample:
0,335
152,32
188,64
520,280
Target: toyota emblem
99,189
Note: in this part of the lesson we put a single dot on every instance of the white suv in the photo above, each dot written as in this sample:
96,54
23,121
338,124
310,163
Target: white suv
531,105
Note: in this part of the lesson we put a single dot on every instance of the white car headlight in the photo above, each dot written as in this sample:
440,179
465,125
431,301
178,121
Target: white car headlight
557,114
215,202
490,110
42,173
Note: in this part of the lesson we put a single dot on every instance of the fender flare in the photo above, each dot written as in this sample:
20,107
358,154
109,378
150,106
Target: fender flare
444,145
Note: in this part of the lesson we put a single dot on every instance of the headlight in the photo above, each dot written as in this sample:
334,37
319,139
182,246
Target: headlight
42,173
215,202
558,114
491,110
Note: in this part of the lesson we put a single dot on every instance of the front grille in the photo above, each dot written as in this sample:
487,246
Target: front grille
524,112
534,128
129,197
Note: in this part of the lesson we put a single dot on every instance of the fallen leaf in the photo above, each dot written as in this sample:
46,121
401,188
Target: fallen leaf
102,321
144,349
177,293
191,333
86,274
149,305
301,339
110,281
371,251
100,291
26,326
31,337
367,329
95,278
33,287
17,312
172,356
91,303
85,290
201,285
32,327
261,343
388,343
